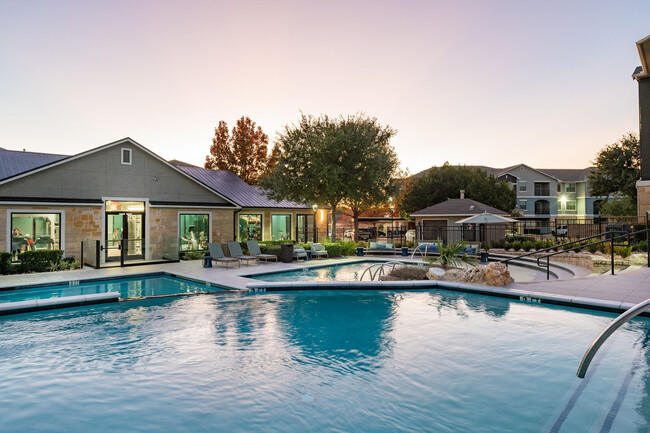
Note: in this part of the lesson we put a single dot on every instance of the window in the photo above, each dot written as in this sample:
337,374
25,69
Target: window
250,227
570,187
35,231
570,205
559,187
542,189
194,231
542,207
523,204
126,156
280,227
522,186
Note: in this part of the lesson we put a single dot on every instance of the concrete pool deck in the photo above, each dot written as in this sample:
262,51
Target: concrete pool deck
609,292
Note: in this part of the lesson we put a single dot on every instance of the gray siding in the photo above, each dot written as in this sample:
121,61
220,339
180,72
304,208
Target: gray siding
101,174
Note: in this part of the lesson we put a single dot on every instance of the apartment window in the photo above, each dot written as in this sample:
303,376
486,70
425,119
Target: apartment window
522,186
35,231
280,227
542,207
559,187
126,156
523,204
570,187
250,227
194,231
542,189
570,205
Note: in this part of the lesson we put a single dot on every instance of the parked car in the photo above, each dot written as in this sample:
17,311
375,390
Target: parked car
561,231
410,235
366,233
349,233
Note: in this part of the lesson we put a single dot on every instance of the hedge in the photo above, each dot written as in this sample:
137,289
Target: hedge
5,263
30,261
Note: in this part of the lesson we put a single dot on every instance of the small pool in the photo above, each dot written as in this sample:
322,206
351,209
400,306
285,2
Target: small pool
136,287
353,271
322,361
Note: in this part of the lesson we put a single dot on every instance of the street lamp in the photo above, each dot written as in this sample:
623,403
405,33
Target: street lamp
392,209
315,207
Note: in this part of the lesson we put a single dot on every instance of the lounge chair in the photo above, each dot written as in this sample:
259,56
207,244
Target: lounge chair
425,248
254,249
235,251
317,250
380,247
216,254
299,252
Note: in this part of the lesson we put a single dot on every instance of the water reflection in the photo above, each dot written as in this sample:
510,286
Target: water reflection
459,303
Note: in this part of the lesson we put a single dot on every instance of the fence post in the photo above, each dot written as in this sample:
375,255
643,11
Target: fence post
611,237
548,268
98,247
82,255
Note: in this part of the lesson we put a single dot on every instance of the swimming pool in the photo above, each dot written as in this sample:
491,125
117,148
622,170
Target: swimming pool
353,271
133,287
322,361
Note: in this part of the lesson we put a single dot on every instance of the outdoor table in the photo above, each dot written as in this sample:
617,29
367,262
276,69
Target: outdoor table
207,261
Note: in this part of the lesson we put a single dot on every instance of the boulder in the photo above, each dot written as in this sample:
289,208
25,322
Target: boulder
435,273
492,274
453,275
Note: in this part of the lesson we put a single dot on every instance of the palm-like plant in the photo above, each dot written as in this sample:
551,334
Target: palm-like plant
451,257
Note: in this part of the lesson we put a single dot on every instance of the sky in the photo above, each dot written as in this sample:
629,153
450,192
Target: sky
469,82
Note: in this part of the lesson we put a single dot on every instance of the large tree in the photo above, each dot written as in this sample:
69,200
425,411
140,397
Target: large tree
244,151
440,184
617,168
347,160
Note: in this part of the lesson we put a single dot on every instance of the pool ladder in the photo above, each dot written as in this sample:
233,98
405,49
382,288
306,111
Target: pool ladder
379,269
605,333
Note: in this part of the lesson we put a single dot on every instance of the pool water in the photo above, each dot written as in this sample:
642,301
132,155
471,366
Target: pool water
353,271
127,287
321,361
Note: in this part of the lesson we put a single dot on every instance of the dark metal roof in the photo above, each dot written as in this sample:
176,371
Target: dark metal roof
457,206
567,174
230,185
13,162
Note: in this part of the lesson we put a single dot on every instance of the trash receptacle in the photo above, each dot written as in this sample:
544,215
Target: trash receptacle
207,261
405,251
286,253
360,251
484,257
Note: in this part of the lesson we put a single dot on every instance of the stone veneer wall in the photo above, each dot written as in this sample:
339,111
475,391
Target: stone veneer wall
643,197
163,227
81,222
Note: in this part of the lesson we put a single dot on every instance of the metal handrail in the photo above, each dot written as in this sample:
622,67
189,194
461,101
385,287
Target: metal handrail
610,238
605,333
380,269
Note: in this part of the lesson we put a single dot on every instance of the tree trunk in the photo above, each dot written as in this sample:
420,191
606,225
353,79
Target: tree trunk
333,237
355,216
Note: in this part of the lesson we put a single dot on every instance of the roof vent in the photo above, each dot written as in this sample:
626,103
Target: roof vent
471,207
462,194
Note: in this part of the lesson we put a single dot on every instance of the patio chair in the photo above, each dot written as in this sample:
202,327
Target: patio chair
216,254
299,252
235,251
254,249
317,250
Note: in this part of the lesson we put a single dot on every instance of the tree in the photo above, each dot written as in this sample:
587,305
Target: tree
619,205
244,151
334,161
440,184
618,167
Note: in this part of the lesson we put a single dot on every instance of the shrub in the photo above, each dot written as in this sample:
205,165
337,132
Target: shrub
5,263
539,244
516,245
333,250
38,261
527,245
271,249
347,248
409,272
192,255
641,246
623,251
274,242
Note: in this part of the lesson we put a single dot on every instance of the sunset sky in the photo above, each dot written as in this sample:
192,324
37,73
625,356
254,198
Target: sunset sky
470,82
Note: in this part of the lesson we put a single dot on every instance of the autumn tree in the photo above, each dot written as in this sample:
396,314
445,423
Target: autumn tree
347,160
244,150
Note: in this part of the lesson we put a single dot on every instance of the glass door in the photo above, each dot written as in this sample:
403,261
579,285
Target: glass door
134,238
304,228
124,231
114,234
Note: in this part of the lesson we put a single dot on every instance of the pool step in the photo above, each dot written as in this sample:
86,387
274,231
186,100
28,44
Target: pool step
53,303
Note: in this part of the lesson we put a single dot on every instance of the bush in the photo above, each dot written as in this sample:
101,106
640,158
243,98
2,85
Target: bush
641,246
527,245
38,261
347,248
274,242
516,245
271,249
5,263
409,272
623,251
539,245
333,250
192,255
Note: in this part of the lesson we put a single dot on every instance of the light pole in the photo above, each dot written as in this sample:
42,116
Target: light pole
315,207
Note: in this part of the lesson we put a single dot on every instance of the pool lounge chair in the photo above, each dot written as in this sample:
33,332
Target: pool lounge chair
254,249
216,254
299,252
235,251
317,250
380,247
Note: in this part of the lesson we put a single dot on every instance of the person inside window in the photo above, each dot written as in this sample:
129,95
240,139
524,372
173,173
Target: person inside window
18,241
191,239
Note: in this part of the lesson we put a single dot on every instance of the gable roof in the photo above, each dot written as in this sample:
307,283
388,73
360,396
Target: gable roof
233,187
64,159
14,162
458,206
568,174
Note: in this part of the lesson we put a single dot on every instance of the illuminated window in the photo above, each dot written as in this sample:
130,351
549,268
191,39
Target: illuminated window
280,227
194,231
250,227
35,231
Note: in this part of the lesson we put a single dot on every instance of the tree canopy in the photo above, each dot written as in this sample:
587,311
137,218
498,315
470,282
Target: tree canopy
244,151
440,184
618,167
346,160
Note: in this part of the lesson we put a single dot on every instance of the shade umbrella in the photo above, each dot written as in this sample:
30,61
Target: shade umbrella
486,218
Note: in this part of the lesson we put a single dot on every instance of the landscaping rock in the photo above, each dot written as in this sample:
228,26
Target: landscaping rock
638,259
453,275
435,273
493,274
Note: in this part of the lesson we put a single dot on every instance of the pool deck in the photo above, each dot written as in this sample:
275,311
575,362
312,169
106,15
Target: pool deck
608,292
